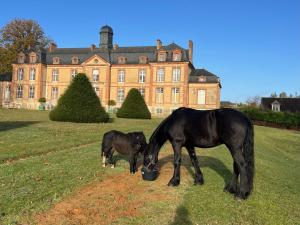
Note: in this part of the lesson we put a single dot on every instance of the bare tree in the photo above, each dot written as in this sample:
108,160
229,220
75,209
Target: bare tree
253,101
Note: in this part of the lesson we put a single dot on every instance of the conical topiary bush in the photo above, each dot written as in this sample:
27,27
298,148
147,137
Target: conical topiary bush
134,106
79,103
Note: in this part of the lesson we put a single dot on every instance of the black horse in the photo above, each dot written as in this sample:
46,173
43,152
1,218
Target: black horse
130,144
191,128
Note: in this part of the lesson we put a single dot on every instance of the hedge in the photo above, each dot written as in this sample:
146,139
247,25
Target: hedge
279,118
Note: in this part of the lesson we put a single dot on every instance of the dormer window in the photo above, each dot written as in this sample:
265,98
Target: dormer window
176,56
162,56
32,57
143,59
21,58
121,60
56,60
75,60
202,79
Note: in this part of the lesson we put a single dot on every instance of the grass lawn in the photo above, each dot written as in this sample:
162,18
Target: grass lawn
42,162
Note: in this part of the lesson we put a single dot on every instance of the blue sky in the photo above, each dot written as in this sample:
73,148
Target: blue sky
254,46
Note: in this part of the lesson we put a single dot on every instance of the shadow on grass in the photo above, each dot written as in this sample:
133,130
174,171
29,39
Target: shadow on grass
204,161
181,217
9,125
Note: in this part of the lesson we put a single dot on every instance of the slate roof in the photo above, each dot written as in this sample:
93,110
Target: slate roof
209,77
286,104
132,54
5,77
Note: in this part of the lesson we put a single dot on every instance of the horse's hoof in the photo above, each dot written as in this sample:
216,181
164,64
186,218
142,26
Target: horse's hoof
230,189
103,165
241,196
173,183
112,166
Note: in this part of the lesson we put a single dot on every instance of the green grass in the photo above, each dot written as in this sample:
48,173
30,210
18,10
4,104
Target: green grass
43,161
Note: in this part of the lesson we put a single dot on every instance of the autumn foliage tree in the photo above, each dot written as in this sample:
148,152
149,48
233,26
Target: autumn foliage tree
19,35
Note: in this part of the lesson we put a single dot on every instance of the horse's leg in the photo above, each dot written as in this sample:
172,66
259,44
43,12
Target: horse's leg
231,187
175,180
131,163
134,162
194,160
241,164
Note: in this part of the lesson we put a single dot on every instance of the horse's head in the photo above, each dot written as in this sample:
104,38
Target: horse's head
140,141
150,158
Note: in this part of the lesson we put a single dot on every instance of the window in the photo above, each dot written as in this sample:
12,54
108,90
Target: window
276,106
19,91
159,95
143,59
96,89
55,74
56,60
176,56
32,58
54,93
175,95
142,91
176,75
142,76
201,97
159,110
160,75
202,79
121,60
75,60
96,61
20,74
32,74
21,58
162,56
73,73
121,76
95,75
7,93
121,95
31,91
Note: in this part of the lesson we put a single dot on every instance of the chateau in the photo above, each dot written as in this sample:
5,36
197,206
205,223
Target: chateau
164,74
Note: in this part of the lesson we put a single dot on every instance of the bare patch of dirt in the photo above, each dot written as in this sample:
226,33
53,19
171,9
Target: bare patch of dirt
118,196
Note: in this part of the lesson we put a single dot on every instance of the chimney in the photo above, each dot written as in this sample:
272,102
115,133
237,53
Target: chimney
191,51
115,46
93,47
52,47
158,44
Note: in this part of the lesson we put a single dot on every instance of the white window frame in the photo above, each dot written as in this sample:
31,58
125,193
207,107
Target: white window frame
120,95
275,107
201,97
176,72
7,93
19,91
32,74
31,91
54,93
160,77
97,90
121,76
175,95
20,74
55,75
142,91
73,73
95,73
159,95
142,76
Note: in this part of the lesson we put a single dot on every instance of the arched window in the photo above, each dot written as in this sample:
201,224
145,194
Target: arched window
56,60
121,60
20,74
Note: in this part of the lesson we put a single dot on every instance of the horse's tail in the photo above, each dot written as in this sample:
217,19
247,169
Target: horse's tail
248,152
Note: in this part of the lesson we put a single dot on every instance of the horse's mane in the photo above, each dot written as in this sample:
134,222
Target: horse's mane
158,137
